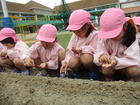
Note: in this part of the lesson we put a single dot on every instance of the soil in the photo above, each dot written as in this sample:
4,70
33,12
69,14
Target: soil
17,89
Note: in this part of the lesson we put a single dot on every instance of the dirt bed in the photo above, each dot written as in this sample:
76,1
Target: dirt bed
16,89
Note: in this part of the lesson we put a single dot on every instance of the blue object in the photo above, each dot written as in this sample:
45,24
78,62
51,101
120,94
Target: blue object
93,76
26,72
62,75
74,75
1,69
7,22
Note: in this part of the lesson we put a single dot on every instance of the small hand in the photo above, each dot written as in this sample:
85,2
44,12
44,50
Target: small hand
3,53
42,65
105,59
63,68
29,62
77,50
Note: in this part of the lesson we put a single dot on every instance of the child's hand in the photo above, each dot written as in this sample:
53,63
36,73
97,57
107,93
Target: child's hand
16,60
63,68
111,65
42,65
105,59
29,62
77,50
113,62
3,53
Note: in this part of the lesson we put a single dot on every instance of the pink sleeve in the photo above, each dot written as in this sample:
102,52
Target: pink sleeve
92,44
101,49
20,50
34,50
131,57
69,52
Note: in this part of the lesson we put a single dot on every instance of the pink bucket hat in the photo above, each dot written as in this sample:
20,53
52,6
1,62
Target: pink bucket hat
136,20
47,33
111,22
77,19
8,32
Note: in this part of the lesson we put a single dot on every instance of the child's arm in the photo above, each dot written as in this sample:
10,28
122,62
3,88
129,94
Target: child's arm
131,57
101,50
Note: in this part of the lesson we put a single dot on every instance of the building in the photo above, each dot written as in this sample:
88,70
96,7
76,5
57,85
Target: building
131,7
31,8
95,7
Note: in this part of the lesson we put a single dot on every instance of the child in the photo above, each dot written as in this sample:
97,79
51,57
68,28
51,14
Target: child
82,45
137,22
47,53
17,51
118,50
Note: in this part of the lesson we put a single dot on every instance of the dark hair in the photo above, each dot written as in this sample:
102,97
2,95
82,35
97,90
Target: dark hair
8,40
90,29
129,34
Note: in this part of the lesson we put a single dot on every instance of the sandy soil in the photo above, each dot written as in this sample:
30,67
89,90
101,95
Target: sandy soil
16,89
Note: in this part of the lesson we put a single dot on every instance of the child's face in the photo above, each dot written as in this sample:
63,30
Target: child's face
119,37
8,45
47,45
82,32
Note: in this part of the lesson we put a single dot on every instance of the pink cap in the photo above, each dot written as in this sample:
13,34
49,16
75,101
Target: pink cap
136,20
77,19
111,22
8,32
47,33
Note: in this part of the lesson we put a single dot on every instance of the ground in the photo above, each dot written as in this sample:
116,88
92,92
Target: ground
16,89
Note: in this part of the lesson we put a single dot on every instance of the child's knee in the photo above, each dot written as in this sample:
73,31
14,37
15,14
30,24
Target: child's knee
18,62
86,59
132,71
61,55
74,62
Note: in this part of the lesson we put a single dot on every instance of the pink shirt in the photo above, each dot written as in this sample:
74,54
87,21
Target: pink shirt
46,55
2,47
88,45
20,50
125,56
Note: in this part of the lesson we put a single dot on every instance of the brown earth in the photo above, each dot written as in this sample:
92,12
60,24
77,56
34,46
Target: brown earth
16,89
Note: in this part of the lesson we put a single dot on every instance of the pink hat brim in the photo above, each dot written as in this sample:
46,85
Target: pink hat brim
109,34
49,40
74,27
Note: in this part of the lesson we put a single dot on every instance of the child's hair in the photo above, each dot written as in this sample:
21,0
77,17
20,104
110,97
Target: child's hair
129,35
90,29
8,40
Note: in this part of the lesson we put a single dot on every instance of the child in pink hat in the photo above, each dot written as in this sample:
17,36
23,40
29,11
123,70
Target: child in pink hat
47,53
17,51
82,45
118,50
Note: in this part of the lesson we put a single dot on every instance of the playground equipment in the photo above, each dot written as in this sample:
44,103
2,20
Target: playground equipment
6,20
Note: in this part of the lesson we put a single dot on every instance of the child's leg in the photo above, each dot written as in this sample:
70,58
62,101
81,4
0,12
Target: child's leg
6,62
61,56
131,72
75,64
20,66
108,74
87,61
